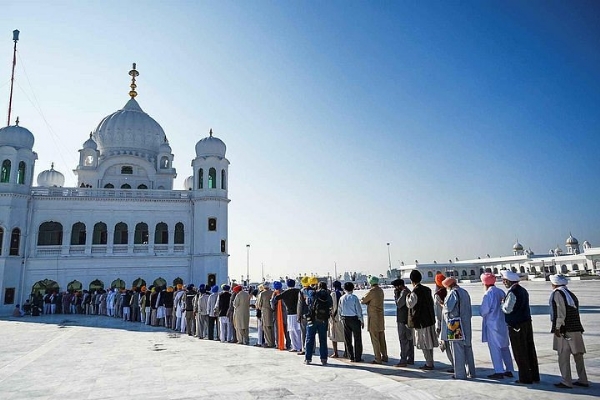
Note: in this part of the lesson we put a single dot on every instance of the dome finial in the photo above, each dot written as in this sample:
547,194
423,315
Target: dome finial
210,132
133,73
90,135
52,165
17,121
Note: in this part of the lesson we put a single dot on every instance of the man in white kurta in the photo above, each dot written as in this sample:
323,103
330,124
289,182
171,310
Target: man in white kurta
458,305
493,328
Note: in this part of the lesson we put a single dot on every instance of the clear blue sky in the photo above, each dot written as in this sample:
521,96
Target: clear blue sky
446,128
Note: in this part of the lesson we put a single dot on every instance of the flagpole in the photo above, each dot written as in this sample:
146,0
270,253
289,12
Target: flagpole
12,77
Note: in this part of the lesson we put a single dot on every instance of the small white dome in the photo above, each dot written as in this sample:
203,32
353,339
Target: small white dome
50,178
165,147
90,144
189,183
211,146
129,129
518,246
571,240
16,136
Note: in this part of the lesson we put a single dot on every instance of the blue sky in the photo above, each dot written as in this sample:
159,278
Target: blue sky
446,128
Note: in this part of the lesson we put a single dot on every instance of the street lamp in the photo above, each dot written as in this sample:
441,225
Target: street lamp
248,264
389,260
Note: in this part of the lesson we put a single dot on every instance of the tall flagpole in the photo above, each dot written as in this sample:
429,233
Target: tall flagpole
12,77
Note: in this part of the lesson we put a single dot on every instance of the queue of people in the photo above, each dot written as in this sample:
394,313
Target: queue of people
292,319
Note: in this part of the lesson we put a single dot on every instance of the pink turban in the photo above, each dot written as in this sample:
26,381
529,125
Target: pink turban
449,282
488,279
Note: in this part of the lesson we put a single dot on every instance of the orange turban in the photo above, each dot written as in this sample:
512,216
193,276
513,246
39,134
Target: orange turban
439,278
237,289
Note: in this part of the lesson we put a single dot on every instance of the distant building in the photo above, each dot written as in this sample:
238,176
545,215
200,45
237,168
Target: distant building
123,225
574,261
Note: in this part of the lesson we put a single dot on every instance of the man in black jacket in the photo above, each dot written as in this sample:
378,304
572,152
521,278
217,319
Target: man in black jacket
421,316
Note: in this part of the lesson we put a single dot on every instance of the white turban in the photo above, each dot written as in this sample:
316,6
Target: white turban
558,280
510,276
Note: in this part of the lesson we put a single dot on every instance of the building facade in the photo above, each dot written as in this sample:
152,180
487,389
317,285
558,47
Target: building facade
574,261
123,225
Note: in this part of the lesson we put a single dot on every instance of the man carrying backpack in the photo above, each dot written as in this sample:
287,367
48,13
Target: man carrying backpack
320,307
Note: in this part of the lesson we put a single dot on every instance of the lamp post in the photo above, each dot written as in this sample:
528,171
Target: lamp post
389,260
248,264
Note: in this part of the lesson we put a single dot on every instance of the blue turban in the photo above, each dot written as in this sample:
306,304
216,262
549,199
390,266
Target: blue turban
214,289
291,283
337,284
277,285
226,288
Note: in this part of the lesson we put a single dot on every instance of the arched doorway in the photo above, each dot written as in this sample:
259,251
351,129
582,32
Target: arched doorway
160,283
212,280
563,269
118,284
43,287
177,281
96,285
74,286
138,283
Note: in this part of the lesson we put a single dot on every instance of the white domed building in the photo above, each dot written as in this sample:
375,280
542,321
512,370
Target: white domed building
123,225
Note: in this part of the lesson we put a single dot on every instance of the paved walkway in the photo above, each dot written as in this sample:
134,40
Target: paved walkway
92,357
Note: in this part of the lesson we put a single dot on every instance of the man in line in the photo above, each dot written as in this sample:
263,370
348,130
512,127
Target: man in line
302,310
352,317
439,297
493,328
241,314
405,334
263,303
520,330
458,305
376,321
567,329
290,300
317,324
421,317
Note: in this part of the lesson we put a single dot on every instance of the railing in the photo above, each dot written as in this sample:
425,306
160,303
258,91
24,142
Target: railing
98,248
111,193
120,249
179,248
140,248
49,251
77,249
161,248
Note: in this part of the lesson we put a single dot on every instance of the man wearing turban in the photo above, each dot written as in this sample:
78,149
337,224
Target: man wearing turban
440,322
405,334
520,330
290,299
458,305
567,329
421,316
241,314
376,321
493,328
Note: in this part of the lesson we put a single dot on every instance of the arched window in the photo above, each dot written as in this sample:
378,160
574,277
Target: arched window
5,172
575,267
1,239
126,186
161,233
100,233
142,186
429,274
212,178
96,285
513,269
78,233
164,162
464,272
533,270
223,247
563,269
50,234
223,180
127,170
138,283
15,242
522,269
553,269
496,271
141,233
179,233
21,173
109,186
118,284
121,233
200,178
472,273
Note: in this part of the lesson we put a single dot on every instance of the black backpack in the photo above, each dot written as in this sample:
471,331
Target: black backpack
320,307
